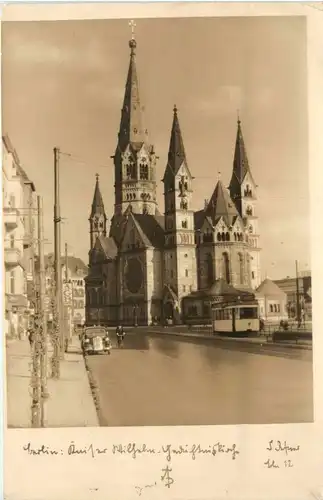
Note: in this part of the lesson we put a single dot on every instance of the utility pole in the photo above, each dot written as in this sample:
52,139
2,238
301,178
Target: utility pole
36,350
298,314
58,339
42,312
66,263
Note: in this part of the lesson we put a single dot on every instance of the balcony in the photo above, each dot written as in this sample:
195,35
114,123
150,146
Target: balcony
12,257
10,217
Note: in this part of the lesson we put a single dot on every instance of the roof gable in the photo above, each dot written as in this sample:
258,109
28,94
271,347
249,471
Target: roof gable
152,227
221,205
268,287
133,237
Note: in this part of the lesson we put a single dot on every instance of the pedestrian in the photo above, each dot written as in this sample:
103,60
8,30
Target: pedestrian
31,337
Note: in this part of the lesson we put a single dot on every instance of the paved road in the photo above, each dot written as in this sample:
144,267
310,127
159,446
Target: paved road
158,380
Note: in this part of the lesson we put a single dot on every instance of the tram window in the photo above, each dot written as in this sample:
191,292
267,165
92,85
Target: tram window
227,313
248,313
223,314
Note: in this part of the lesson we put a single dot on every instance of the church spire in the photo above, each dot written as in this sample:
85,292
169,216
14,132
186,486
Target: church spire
98,219
134,158
240,161
97,203
176,151
132,128
241,174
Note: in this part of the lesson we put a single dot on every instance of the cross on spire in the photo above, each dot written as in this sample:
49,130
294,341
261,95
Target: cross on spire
219,176
97,176
132,25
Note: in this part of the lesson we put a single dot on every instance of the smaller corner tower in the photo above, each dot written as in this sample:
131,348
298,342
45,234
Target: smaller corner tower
98,218
243,191
180,248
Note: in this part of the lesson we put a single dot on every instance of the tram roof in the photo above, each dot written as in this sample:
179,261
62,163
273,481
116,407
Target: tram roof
221,288
235,303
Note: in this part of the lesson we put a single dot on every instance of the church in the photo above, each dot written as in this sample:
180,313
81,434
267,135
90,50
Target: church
149,265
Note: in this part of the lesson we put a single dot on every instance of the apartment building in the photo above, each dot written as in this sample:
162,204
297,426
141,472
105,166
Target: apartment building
18,228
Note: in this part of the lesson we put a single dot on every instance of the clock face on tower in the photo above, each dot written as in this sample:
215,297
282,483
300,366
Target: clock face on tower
133,275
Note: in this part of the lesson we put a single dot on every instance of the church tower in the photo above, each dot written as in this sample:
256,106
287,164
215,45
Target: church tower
180,249
134,159
98,219
243,191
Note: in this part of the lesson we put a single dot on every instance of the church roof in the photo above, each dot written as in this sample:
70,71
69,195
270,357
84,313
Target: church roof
268,287
199,218
108,246
117,226
176,151
97,203
151,229
221,288
221,205
132,128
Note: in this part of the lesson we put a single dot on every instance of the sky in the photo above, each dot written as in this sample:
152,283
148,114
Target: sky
63,84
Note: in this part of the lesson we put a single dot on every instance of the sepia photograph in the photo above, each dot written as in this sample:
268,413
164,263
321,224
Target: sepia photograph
156,222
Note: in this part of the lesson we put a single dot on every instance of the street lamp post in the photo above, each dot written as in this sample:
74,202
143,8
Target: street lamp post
298,312
135,315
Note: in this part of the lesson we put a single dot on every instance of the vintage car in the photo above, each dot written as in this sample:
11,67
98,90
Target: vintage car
95,340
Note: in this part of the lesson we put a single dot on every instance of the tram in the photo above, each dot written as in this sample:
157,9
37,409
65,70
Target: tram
236,319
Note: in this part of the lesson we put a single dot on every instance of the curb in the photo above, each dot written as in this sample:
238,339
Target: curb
235,340
94,389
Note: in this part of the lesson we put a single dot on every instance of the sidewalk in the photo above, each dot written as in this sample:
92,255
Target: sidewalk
70,402
261,340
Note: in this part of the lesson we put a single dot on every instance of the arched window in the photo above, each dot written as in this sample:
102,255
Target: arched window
227,236
209,269
271,308
219,236
226,267
223,237
241,270
249,211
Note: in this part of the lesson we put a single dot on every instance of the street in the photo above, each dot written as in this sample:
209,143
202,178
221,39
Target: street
157,380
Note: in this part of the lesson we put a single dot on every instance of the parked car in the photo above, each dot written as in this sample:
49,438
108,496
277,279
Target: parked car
95,340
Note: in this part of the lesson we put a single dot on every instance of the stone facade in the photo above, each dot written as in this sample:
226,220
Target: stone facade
150,262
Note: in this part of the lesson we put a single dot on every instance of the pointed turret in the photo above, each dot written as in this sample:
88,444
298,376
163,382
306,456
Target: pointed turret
97,203
179,217
134,159
243,191
132,129
98,218
221,205
176,152
241,171
240,161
